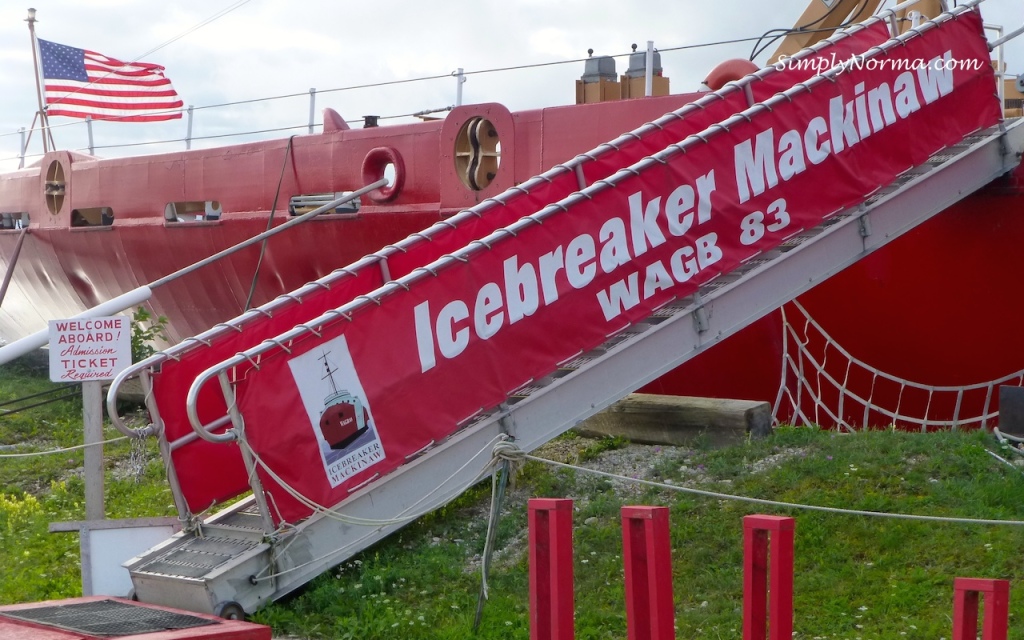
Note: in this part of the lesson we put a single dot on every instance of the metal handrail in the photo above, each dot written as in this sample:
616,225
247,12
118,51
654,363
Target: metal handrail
160,357
34,341
346,311
1003,40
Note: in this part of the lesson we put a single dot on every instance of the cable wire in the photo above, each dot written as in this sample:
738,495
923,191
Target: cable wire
373,85
270,224
41,393
777,503
759,49
64,450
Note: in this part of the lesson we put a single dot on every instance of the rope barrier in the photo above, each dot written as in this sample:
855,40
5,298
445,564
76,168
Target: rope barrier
41,393
66,396
806,376
504,450
777,503
64,450
403,517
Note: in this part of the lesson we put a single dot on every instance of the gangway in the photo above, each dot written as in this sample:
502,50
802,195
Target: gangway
553,317
224,475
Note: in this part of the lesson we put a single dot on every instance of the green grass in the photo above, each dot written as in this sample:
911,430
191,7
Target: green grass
856,576
38,490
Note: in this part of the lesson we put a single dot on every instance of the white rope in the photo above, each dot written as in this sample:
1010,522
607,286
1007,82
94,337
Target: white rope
1006,437
65,450
1004,461
805,376
370,522
403,517
509,451
775,503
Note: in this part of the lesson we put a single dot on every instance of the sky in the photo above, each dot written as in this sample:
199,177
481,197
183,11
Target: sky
264,48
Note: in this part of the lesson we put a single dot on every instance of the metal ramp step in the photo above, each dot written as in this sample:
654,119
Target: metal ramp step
195,557
243,520
192,558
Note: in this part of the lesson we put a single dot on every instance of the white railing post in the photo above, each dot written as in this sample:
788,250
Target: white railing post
1000,63
460,79
312,107
188,129
649,72
92,419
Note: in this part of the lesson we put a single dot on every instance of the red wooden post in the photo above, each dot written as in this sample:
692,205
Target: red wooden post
763,618
650,612
965,608
551,580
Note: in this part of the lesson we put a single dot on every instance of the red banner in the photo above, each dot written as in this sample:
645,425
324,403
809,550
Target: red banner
417,365
212,473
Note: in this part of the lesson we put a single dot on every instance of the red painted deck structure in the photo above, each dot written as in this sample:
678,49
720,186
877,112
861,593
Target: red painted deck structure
103,617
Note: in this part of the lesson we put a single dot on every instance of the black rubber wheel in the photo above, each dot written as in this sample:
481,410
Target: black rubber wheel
230,611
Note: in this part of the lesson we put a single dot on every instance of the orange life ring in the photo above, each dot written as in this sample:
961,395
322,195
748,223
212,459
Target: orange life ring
729,71
374,165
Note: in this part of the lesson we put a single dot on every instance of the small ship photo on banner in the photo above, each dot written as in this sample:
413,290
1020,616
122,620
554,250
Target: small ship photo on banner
338,412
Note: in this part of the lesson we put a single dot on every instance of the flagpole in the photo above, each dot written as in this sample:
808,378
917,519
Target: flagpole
44,123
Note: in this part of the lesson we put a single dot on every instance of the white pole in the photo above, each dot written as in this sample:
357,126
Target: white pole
37,340
460,79
92,415
88,126
312,108
24,143
188,130
1000,63
1001,75
649,72
44,127
139,295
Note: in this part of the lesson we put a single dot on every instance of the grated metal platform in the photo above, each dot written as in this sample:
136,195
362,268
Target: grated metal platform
103,617
108,618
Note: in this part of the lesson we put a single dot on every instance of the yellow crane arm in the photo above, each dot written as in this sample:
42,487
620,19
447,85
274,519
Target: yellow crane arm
823,17
820,20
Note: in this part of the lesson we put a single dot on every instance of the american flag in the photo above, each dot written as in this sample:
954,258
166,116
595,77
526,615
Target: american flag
80,83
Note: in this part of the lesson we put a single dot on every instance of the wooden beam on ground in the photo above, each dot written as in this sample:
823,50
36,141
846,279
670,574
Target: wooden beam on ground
680,420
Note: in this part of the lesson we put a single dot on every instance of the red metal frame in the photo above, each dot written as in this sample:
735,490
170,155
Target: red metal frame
221,629
768,595
965,608
647,554
551,574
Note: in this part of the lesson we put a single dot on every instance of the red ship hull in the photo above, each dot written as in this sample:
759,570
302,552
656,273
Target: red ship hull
939,307
935,307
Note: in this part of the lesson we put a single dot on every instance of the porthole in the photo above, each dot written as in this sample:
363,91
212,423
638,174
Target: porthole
384,162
